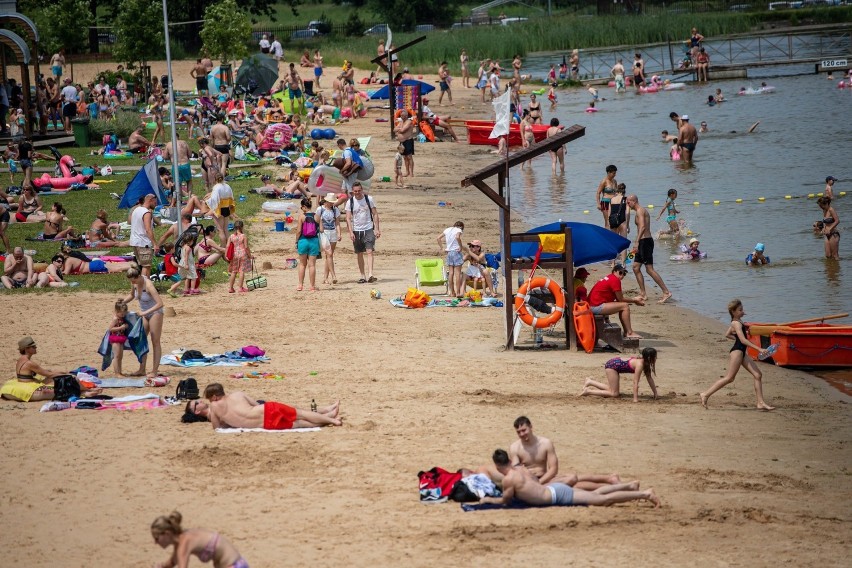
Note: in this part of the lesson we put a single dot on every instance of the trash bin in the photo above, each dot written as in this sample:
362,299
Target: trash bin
80,126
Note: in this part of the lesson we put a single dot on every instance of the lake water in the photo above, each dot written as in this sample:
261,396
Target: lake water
805,134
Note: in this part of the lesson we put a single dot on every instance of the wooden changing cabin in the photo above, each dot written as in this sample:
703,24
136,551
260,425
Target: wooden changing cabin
502,197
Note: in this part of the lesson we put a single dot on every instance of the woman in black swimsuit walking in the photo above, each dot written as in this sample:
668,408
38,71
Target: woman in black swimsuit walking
738,358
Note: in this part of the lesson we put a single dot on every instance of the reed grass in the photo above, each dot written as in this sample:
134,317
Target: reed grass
563,34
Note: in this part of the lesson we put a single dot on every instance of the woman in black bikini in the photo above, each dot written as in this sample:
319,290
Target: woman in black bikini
830,222
53,222
29,207
738,358
619,216
535,110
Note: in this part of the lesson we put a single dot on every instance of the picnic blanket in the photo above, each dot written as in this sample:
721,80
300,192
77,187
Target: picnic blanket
515,504
212,361
238,430
451,303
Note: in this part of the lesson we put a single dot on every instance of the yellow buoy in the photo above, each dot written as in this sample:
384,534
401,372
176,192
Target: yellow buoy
810,196
819,195
843,194
696,203
586,212
739,200
267,220
651,206
716,202
761,199
788,197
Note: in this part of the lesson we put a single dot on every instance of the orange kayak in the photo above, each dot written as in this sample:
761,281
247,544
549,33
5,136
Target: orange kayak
806,345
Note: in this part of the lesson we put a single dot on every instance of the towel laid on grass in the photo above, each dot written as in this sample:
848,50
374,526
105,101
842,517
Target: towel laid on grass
293,430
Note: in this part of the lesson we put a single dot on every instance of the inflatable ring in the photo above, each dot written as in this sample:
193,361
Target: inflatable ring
521,302
398,113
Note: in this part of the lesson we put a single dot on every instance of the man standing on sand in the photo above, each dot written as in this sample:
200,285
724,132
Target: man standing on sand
199,73
520,484
645,250
687,139
405,134
617,73
183,154
142,233
220,138
362,218
236,410
538,456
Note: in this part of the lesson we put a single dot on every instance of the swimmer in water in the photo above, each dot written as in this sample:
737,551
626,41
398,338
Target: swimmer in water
667,137
757,258
703,127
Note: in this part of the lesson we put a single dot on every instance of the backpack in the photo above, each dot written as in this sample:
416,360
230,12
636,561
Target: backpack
436,485
187,389
309,226
65,387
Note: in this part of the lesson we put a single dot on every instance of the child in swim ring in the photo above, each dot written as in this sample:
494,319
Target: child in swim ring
757,258
693,251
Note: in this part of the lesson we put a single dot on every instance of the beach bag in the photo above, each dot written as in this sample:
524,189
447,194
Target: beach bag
461,493
192,355
252,351
436,485
187,389
309,227
65,387
239,152
256,281
415,298
229,252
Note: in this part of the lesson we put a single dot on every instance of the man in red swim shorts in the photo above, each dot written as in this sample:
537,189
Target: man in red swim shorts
236,410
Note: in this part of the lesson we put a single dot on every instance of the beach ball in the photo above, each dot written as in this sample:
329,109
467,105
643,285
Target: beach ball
317,134
375,294
329,133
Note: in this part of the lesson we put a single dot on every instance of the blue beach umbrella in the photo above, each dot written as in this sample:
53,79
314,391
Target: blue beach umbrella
384,92
592,243
214,80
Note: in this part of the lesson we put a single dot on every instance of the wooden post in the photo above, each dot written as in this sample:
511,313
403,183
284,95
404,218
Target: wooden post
25,88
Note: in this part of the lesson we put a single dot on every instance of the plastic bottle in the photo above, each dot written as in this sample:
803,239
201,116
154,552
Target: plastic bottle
539,338
313,405
386,178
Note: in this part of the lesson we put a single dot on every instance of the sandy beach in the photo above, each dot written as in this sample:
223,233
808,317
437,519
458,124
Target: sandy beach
418,388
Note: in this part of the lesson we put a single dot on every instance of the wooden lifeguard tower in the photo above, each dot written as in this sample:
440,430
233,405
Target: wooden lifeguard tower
502,198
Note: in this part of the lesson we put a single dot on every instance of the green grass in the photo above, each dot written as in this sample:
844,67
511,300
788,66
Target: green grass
81,207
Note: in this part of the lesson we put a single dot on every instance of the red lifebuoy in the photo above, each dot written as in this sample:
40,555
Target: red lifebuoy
523,295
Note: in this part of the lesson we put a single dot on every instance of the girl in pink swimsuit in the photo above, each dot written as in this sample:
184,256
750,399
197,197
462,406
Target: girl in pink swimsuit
205,544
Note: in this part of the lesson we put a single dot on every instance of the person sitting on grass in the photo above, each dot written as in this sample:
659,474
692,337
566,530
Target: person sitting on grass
52,276
137,143
32,382
102,233
520,484
53,222
236,410
208,251
205,544
18,270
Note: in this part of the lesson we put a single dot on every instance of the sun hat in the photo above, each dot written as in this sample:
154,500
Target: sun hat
685,117
26,342
759,247
475,243
827,179
581,273
693,240
330,196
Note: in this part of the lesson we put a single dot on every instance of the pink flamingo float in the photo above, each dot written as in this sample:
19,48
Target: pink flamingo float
69,175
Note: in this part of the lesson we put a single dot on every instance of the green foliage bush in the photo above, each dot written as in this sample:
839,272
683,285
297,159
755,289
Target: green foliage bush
123,124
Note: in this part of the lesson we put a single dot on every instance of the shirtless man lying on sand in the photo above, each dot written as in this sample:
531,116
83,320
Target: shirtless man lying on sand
236,410
519,483
538,456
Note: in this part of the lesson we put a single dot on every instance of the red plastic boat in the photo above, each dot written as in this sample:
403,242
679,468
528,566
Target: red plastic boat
479,130
805,345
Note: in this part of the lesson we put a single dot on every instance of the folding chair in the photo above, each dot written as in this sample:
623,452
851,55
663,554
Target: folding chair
431,272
